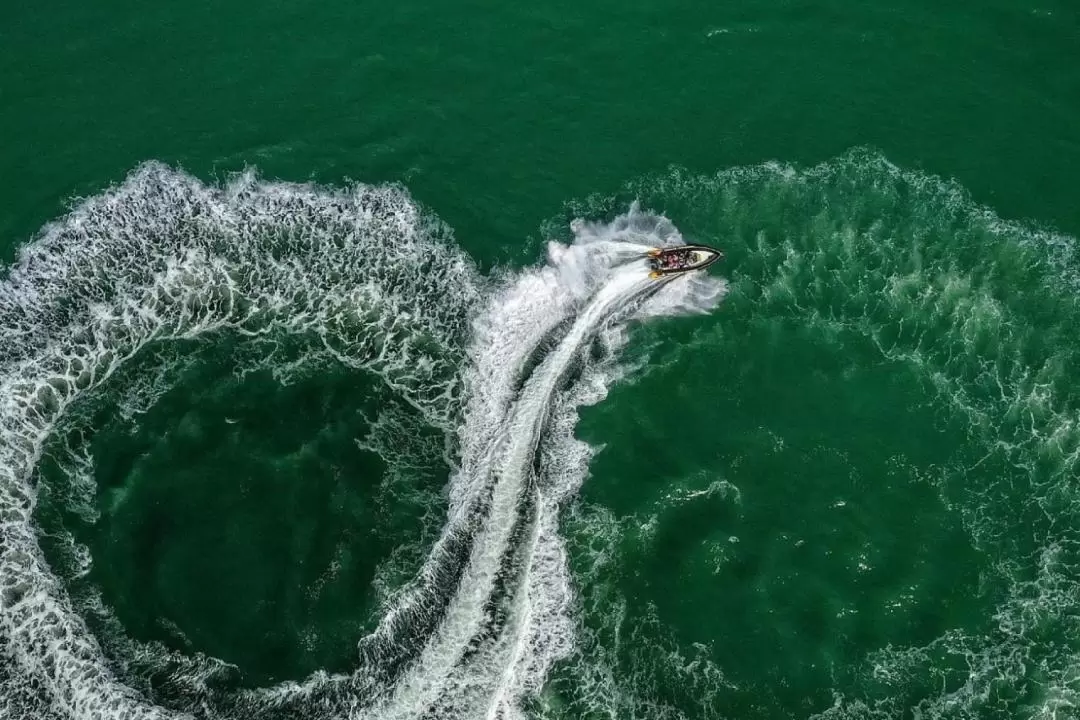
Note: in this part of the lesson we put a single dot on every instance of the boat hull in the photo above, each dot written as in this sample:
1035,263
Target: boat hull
662,261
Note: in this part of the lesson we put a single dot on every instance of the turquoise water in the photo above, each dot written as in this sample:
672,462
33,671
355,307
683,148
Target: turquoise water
334,384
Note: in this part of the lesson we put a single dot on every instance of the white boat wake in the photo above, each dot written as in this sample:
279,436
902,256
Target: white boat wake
364,279
507,619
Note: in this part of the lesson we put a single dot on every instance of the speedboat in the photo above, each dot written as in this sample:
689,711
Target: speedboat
681,259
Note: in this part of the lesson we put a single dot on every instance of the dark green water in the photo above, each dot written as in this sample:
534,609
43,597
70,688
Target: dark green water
848,491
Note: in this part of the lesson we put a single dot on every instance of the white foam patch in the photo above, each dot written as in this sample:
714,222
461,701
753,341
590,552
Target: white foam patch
506,620
619,666
362,275
364,279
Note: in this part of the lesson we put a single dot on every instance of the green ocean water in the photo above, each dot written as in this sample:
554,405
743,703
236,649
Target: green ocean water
240,407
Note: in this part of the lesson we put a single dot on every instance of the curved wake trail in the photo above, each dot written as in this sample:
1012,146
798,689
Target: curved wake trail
305,276
506,620
510,477
359,277
107,302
